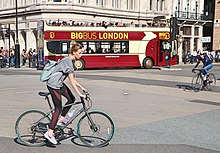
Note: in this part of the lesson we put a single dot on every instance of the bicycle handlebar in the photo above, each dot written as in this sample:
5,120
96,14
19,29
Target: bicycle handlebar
196,70
86,99
86,93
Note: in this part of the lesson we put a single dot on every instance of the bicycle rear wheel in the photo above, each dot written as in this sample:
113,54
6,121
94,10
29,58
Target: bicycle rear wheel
31,126
197,82
211,81
100,134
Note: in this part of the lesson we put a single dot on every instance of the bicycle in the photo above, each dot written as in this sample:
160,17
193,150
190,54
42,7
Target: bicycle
94,128
198,82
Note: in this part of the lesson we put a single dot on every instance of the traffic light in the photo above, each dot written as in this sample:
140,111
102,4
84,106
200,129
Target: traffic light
7,33
173,28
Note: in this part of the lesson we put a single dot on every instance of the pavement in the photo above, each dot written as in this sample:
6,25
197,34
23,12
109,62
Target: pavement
153,116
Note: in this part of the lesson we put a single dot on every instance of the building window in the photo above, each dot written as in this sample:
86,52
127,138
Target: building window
130,4
151,5
57,0
187,30
115,3
162,5
196,32
158,5
100,2
82,1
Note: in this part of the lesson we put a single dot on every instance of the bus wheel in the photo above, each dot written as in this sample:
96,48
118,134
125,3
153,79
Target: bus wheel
147,63
79,64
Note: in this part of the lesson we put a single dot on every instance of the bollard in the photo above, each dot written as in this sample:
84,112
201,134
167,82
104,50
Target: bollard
167,60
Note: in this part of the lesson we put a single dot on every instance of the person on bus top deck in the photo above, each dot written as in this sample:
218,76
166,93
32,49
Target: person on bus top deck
207,63
57,87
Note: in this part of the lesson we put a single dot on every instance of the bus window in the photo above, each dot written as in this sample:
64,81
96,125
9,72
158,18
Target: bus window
98,48
164,46
54,47
65,47
117,47
125,47
105,46
91,47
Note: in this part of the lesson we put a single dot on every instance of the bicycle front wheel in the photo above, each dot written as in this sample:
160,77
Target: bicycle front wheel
211,81
98,135
31,126
197,82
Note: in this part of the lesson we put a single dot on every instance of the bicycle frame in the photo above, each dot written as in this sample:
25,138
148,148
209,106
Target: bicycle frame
83,109
199,75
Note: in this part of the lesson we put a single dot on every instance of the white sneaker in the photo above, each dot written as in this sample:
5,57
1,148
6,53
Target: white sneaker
60,123
50,138
204,77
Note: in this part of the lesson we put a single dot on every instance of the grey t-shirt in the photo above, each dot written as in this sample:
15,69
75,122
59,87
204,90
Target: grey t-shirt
64,67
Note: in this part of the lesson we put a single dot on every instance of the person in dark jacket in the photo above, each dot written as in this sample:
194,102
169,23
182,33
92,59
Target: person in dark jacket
207,64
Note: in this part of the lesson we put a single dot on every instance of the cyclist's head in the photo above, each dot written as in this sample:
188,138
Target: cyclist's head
202,54
75,49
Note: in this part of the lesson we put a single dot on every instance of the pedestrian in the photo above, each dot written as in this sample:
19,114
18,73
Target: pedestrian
24,57
57,88
30,52
12,57
34,58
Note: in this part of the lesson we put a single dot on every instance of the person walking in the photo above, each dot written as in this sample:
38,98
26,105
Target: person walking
58,88
24,57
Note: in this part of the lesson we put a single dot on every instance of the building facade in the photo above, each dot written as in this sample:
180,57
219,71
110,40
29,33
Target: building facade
216,29
84,12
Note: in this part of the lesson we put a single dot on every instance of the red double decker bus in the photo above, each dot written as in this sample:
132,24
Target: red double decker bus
108,47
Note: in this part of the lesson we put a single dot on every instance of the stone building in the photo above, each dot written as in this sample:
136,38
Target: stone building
84,12
216,29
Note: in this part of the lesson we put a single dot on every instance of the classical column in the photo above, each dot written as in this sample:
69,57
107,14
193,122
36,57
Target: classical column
192,40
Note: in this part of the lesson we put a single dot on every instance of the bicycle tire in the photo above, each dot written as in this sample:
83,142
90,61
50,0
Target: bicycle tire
211,81
28,133
197,82
104,125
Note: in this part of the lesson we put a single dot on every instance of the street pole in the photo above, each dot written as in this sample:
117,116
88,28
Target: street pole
17,46
9,44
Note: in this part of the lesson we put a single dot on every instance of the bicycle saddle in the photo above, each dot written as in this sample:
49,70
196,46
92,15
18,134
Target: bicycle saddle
43,93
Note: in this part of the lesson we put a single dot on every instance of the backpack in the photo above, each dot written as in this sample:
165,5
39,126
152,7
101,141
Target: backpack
48,70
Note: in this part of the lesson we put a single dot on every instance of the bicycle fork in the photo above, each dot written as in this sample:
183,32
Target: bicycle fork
91,123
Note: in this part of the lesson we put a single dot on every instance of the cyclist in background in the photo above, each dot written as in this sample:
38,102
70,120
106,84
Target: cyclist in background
57,88
207,64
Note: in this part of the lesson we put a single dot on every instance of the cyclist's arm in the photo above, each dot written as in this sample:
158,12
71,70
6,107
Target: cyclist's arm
80,86
197,63
75,84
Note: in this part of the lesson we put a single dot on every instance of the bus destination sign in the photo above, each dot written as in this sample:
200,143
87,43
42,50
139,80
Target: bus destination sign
87,35
164,35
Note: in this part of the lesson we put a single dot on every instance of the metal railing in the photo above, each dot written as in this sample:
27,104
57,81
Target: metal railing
189,15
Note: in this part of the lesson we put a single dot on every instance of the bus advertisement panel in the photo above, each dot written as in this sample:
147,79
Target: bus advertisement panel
112,46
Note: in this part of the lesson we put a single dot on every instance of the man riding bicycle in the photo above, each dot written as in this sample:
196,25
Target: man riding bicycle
207,64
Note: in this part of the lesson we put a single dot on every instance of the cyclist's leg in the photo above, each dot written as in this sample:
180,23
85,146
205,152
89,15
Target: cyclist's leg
57,101
207,68
66,92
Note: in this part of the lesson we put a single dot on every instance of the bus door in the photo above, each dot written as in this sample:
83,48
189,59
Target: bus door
163,51
153,51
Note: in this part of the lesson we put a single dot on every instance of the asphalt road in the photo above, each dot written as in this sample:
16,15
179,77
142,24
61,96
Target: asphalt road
151,112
